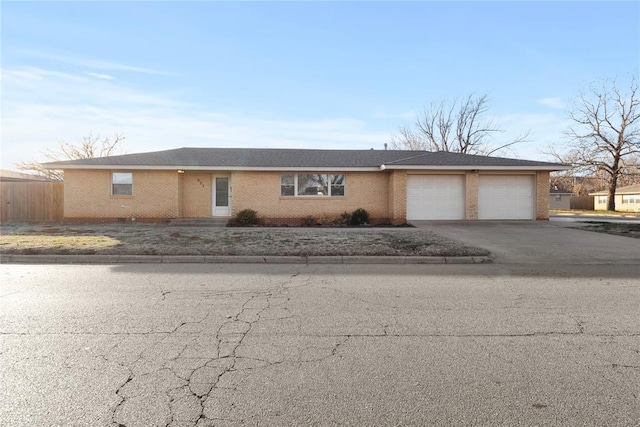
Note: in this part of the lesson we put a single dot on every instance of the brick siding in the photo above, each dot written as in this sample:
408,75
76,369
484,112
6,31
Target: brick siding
168,194
196,195
87,195
542,195
260,191
471,182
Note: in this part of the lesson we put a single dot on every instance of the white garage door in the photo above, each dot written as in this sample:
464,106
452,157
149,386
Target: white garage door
506,197
435,197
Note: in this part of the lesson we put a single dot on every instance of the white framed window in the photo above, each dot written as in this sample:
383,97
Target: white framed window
630,198
312,184
122,184
602,200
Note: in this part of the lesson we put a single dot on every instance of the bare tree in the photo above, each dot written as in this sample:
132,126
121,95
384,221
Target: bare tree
605,135
458,127
88,148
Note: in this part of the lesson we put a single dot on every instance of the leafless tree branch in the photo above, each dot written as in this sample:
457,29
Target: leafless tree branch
88,148
459,126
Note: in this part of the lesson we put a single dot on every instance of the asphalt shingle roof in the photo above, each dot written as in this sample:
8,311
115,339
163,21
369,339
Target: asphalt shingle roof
287,158
629,189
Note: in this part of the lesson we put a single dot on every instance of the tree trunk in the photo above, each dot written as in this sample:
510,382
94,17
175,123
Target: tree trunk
611,200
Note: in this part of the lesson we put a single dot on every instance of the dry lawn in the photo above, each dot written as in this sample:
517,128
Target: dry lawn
160,239
619,229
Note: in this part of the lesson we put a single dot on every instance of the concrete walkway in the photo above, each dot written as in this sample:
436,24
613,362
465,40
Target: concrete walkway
539,242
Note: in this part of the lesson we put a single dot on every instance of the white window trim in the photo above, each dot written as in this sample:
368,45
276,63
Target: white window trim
113,183
329,186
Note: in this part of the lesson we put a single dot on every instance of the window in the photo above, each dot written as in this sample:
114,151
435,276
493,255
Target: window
602,200
630,198
308,184
122,184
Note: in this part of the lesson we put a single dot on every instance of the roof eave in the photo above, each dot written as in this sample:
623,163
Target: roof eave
213,168
476,167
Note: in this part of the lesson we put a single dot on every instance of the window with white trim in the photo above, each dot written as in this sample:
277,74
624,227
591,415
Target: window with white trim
312,184
630,198
602,199
122,184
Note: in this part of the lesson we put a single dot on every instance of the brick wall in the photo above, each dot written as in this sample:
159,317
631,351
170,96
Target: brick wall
471,195
542,195
261,191
167,194
87,194
398,196
196,194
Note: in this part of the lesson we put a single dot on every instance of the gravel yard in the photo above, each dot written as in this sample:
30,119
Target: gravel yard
160,239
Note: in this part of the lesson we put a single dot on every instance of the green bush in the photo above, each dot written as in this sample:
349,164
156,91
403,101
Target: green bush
247,217
359,217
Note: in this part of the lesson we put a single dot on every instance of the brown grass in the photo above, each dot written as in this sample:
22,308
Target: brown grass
155,239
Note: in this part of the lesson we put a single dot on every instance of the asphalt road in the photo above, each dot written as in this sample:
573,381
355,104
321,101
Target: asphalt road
185,345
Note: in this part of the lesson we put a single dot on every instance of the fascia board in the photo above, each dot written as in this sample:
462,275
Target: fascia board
479,168
213,168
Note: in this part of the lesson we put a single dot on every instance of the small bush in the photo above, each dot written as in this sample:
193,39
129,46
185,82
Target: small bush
309,221
247,217
359,217
345,218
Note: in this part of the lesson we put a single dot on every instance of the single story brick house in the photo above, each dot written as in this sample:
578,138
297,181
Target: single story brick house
627,199
286,185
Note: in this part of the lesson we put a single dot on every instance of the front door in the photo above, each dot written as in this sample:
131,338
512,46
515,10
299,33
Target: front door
221,196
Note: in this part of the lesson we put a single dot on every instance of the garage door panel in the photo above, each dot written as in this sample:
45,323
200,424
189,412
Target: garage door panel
431,197
506,197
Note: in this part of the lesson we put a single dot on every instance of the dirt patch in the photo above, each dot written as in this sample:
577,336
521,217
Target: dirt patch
158,239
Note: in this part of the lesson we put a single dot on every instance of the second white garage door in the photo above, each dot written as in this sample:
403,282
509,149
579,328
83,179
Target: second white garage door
506,197
435,197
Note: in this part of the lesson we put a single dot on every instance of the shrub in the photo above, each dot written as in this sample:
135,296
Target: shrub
247,217
327,219
345,218
309,221
359,217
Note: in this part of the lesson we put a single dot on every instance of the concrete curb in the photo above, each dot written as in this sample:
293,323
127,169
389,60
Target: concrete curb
240,259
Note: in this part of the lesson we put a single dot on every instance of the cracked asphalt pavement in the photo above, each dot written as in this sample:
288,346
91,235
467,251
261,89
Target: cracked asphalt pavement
208,345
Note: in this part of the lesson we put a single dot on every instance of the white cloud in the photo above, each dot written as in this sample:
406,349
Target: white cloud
87,62
101,76
42,107
555,103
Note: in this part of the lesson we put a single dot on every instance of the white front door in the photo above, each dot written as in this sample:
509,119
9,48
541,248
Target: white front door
221,197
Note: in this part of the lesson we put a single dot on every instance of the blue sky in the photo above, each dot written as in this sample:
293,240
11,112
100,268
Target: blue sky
297,74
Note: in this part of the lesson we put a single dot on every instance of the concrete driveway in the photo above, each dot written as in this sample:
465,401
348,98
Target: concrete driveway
539,242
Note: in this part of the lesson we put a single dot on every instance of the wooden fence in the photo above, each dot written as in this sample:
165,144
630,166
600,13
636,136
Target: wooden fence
581,202
31,201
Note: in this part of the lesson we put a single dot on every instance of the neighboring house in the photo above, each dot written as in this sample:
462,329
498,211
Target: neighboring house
627,199
286,185
559,199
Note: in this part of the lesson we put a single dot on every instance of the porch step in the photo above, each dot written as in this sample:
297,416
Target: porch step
200,222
